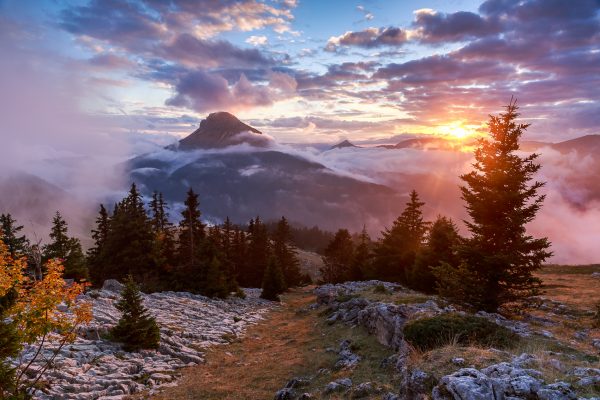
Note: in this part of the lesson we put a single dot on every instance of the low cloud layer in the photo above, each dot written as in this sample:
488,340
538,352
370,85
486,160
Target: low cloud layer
567,218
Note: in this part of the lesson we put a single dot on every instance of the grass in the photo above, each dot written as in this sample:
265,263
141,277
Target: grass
287,344
405,296
429,333
574,286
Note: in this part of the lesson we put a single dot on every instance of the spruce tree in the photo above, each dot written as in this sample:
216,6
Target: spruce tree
136,329
259,251
10,232
239,256
361,264
499,259
67,249
397,249
228,258
273,281
96,253
164,253
338,258
285,254
130,242
441,248
191,231
216,284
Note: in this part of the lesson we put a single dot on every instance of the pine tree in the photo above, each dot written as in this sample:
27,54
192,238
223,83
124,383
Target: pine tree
227,251
273,281
136,329
9,231
130,241
361,264
96,253
239,256
499,259
258,254
397,249
441,247
216,284
191,231
338,258
67,249
285,254
164,237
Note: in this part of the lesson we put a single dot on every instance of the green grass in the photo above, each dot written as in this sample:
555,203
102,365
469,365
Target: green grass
429,333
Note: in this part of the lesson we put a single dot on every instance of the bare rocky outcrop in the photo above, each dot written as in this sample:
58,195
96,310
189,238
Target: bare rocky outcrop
500,381
95,368
506,380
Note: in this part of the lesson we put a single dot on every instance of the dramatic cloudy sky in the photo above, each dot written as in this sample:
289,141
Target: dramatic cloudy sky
311,70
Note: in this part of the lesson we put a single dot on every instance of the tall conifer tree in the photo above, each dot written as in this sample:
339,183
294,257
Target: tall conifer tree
67,249
258,254
10,232
499,259
360,268
96,253
285,254
191,231
130,242
338,258
397,249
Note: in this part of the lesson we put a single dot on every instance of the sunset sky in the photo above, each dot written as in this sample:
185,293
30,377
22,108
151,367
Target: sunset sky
315,71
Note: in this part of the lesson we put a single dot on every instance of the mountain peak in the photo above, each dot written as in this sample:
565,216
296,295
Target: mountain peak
222,129
343,144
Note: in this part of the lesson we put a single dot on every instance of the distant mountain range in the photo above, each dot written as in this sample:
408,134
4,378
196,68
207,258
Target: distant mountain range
262,178
259,179
240,172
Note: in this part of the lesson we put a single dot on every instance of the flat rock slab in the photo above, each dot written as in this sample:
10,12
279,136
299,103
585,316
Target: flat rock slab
93,367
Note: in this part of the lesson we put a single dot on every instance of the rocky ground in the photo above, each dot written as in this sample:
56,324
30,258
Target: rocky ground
95,368
341,341
554,369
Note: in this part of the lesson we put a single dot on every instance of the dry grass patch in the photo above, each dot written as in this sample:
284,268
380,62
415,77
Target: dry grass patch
288,343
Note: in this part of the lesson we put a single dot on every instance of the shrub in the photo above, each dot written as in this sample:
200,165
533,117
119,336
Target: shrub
273,281
136,329
429,333
380,289
597,316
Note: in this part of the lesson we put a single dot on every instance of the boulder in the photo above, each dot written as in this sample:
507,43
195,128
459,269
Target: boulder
112,285
500,381
285,394
340,385
347,359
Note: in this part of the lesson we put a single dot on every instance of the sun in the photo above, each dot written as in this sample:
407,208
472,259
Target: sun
455,130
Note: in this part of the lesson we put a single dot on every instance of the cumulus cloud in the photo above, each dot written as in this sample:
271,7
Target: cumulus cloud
257,40
369,38
202,91
430,26
193,52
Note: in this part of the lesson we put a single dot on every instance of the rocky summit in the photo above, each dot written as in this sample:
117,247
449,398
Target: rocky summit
222,129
